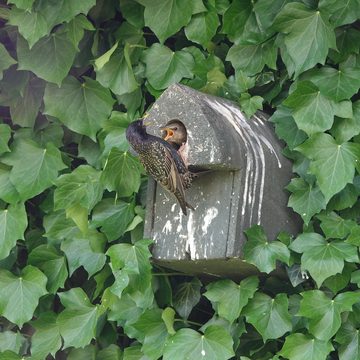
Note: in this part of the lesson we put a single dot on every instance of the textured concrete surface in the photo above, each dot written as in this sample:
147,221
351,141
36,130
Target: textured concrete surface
246,185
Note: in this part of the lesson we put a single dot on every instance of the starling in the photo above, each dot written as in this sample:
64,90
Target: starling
161,161
174,132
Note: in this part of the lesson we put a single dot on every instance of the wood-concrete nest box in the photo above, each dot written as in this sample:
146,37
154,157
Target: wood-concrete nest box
244,187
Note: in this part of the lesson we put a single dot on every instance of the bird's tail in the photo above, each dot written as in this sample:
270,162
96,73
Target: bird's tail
183,203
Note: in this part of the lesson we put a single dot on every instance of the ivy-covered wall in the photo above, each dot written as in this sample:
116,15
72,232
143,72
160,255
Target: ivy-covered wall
76,278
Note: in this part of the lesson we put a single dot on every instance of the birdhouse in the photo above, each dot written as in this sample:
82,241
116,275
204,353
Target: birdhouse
245,185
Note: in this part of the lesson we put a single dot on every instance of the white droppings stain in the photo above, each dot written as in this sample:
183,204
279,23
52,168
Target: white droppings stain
173,207
167,227
210,215
203,353
190,242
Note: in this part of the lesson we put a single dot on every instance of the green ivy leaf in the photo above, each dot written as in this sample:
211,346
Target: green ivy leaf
250,104
186,296
336,84
202,27
235,18
121,173
133,12
153,332
308,35
251,59
82,186
165,67
52,264
34,168
304,347
5,60
263,253
349,338
324,313
50,59
113,218
81,251
13,222
22,4
112,352
321,258
82,107
216,343
5,134
285,127
117,73
306,199
20,295
77,323
333,164
10,340
341,13
229,298
312,111
168,316
334,226
269,316
166,17
134,353
46,339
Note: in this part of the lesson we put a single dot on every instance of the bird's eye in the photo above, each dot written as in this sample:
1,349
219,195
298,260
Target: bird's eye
175,128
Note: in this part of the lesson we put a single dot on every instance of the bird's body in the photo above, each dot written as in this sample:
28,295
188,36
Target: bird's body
161,161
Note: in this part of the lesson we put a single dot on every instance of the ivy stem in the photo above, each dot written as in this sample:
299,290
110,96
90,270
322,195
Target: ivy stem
189,322
138,46
170,274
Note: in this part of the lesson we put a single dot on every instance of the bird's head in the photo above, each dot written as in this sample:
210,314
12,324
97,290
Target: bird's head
136,130
174,132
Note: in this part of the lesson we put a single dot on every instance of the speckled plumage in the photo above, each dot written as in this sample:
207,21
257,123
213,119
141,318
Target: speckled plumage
161,161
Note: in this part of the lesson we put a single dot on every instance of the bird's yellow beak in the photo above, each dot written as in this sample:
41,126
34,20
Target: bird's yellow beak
168,131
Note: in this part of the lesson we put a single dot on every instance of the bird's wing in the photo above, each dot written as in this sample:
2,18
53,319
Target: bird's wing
172,180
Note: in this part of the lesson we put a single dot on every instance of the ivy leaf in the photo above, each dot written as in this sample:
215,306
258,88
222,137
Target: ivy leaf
306,199
121,173
165,67
235,18
202,27
5,60
113,218
186,296
153,332
46,339
269,316
216,343
134,353
117,73
166,17
13,222
82,107
251,59
304,347
336,84
24,109
78,321
349,338
263,253
52,264
229,298
324,313
321,258
250,104
286,128
22,4
10,340
341,13
168,316
308,35
133,258
312,111
112,352
333,164
50,58
79,252
334,226
20,295
5,134
34,168
81,187
133,12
